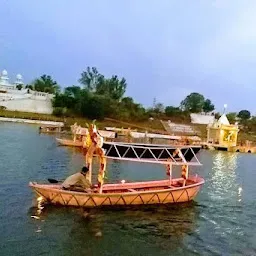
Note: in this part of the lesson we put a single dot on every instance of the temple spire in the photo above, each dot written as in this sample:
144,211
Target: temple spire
19,80
4,79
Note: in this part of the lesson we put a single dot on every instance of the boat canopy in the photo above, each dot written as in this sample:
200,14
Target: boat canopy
185,155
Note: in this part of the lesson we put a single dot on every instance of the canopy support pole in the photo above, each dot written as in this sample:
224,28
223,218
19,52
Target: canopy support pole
169,170
101,174
170,177
88,160
184,173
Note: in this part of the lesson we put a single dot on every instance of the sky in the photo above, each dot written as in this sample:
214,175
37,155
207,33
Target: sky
165,49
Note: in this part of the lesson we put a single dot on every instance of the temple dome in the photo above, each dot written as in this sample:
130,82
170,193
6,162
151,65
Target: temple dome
19,77
4,72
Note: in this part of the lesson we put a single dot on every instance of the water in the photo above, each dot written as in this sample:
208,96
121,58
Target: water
222,220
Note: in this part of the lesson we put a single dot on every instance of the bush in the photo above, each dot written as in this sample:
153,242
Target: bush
59,112
93,108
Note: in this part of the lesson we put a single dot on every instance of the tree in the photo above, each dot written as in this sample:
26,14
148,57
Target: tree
90,78
19,86
194,102
93,108
130,110
98,84
208,106
244,114
127,102
159,108
73,91
217,115
172,111
113,87
29,86
231,117
46,84
252,124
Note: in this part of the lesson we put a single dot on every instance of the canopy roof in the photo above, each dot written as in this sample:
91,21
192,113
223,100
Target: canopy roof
161,154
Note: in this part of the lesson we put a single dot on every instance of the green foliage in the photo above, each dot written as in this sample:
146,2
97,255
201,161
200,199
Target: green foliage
172,111
194,103
244,114
158,108
29,86
251,124
19,86
102,97
217,115
131,110
94,108
112,88
90,78
208,106
59,112
46,84
95,82
232,117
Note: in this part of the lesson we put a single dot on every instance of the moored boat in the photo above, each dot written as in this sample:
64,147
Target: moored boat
79,135
51,129
71,143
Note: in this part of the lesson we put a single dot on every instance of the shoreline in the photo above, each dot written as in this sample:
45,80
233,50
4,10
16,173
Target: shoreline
29,121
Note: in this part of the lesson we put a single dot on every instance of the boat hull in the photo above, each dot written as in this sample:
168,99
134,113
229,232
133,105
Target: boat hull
139,193
70,143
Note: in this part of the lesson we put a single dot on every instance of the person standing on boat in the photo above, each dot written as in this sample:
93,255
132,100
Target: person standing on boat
78,181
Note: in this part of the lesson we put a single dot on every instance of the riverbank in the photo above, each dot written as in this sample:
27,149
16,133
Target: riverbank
150,126
30,121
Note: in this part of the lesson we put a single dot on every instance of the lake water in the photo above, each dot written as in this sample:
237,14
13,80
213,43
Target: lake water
222,220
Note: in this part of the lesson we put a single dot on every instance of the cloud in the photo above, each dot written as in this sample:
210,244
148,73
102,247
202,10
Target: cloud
235,42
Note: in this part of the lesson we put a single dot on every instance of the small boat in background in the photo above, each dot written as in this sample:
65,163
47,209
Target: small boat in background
69,143
79,135
52,129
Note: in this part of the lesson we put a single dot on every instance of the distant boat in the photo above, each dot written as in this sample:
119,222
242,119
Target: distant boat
52,129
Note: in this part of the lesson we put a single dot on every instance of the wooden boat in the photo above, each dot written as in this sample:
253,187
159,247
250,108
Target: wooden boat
51,129
136,193
165,191
70,143
79,135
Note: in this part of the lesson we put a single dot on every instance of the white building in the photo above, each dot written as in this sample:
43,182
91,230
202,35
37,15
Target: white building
23,99
202,118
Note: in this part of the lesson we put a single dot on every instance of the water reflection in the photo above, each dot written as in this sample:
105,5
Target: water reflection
113,171
223,202
156,227
223,179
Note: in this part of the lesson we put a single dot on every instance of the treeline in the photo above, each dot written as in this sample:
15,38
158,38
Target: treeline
98,97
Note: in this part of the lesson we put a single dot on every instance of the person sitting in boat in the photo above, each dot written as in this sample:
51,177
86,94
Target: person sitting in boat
78,181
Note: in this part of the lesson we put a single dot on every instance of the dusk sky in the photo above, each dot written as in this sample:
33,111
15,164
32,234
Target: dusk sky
165,49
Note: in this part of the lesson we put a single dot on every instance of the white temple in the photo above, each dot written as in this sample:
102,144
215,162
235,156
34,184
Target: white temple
14,96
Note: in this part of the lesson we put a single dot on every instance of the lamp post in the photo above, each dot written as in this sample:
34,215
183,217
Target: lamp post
225,107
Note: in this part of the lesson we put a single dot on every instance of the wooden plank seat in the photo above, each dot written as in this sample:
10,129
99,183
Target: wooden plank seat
131,190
